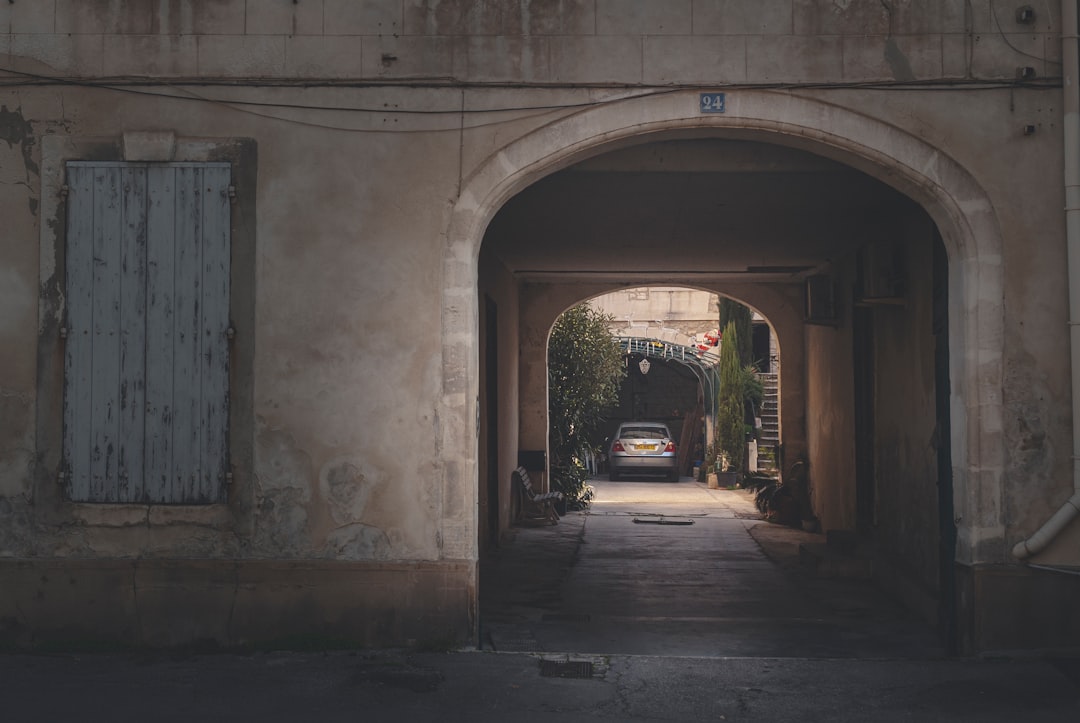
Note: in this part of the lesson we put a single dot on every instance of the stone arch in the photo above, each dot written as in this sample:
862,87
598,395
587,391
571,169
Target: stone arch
780,309
948,193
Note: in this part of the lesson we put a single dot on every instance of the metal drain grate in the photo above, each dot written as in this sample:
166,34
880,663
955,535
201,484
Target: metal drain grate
565,617
663,521
566,669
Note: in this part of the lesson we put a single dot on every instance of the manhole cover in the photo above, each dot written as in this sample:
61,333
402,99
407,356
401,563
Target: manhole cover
663,521
565,617
566,669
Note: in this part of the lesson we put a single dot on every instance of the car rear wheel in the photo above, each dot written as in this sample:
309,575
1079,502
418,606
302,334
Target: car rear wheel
673,476
613,476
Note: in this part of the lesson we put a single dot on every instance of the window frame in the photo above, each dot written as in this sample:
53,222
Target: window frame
146,286
51,504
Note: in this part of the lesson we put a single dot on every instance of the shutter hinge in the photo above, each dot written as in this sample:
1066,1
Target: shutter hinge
64,191
63,332
232,194
230,333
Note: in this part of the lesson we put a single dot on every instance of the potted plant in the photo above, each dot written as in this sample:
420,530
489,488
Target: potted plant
727,475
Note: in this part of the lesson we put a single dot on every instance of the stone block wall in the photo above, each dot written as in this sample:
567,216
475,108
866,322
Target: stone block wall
676,42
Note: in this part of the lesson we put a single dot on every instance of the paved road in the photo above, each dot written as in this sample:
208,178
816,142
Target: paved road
672,569
496,688
686,623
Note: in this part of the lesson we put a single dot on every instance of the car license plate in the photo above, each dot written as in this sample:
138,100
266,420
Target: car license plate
646,446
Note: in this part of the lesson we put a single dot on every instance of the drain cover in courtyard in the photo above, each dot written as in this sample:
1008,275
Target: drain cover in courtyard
566,669
663,521
565,617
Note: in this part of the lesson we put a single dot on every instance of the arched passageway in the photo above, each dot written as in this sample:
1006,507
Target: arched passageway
737,204
671,339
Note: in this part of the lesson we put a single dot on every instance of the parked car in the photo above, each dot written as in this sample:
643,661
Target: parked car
643,448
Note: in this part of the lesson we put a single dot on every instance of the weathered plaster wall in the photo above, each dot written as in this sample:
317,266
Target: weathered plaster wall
346,463
363,346
337,470
19,201
563,41
342,465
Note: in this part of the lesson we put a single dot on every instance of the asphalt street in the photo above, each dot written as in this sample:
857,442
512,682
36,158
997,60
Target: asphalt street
665,602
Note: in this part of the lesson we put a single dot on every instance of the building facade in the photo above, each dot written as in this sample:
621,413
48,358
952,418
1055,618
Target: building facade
279,275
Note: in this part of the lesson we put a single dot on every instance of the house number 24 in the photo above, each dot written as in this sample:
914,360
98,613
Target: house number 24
712,102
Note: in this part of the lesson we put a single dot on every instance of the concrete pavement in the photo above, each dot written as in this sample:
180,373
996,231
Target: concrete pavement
709,621
482,687
615,581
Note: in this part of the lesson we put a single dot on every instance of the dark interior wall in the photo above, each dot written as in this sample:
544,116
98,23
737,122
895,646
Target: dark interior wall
830,428
906,437
497,294
666,394
897,391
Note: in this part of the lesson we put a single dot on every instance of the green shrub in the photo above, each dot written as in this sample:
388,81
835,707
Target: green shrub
585,368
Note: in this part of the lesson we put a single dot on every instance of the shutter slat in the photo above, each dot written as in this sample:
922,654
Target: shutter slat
104,376
146,401
130,484
79,347
187,339
215,324
161,223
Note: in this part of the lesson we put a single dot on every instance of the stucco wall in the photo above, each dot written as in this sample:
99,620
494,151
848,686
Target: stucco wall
18,312
563,41
373,189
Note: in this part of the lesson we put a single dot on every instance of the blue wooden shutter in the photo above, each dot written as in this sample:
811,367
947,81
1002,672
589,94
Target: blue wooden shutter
147,363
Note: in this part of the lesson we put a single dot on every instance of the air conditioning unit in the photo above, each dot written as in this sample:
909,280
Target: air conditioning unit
882,275
820,300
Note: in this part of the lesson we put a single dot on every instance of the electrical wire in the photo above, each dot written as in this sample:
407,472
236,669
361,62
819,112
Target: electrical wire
131,86
1005,38
618,92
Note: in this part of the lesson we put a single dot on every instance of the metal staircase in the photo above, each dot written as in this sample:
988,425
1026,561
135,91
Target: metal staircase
770,422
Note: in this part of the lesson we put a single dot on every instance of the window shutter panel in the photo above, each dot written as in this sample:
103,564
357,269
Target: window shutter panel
147,359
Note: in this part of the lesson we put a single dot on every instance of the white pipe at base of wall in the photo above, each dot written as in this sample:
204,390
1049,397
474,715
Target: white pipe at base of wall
1045,534
1070,64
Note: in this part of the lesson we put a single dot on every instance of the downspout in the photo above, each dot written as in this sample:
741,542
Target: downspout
1071,124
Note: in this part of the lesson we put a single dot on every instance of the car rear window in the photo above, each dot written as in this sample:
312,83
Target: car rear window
644,432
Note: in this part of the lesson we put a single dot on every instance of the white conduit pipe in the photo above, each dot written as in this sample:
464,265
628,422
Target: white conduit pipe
1070,62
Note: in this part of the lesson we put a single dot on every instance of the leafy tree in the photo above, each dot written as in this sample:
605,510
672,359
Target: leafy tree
730,415
585,368
740,315
741,390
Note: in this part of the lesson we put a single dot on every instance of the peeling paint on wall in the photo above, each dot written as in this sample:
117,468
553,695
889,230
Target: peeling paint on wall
345,489
346,485
898,62
283,493
1033,458
17,131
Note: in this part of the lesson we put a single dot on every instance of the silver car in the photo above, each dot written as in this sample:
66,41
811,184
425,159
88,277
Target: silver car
643,448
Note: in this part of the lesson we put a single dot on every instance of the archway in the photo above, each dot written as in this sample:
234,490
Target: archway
947,194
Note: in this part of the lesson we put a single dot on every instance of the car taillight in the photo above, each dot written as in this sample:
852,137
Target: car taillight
670,447
617,447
